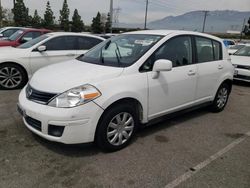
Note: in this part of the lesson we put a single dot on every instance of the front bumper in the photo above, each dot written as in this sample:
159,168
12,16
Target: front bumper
79,123
242,74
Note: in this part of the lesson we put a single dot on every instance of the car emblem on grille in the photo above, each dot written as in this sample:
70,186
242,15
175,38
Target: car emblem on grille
29,92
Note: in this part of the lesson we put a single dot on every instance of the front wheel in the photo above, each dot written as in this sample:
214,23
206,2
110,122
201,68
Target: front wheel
117,127
12,76
221,98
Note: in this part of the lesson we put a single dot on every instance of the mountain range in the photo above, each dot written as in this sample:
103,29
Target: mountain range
217,21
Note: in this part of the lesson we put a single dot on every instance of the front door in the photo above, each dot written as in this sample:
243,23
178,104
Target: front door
175,89
58,50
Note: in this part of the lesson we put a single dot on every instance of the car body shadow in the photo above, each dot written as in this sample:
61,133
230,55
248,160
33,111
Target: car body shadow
90,149
70,150
171,120
241,83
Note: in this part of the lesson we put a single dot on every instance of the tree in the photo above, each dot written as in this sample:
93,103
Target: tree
77,23
21,13
64,16
49,18
96,26
36,20
108,24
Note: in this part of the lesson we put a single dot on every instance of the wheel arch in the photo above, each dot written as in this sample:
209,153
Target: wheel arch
229,82
16,64
127,100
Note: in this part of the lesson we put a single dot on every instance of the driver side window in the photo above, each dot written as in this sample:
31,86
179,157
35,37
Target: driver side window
178,50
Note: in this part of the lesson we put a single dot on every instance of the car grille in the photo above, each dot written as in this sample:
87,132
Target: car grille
243,67
34,123
242,77
38,96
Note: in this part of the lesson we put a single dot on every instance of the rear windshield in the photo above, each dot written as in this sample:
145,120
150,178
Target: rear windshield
16,35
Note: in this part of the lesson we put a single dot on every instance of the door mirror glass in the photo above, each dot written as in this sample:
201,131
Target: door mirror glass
41,48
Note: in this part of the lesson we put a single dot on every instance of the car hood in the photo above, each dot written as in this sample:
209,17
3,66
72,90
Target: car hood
61,77
240,60
7,43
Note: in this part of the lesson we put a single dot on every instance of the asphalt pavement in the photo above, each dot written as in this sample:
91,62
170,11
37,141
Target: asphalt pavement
197,149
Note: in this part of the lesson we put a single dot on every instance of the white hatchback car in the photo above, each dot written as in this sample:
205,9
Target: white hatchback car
241,62
18,64
124,82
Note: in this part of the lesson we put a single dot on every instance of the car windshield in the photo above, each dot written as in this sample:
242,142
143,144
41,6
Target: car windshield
121,51
245,51
33,42
16,35
236,47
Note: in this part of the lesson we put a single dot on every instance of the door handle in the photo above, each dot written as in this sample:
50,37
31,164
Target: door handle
191,72
70,55
220,66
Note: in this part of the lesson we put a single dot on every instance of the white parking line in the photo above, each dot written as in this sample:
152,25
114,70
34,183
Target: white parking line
203,164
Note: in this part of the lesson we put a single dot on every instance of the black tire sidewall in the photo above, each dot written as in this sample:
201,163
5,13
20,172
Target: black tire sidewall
101,132
23,74
215,107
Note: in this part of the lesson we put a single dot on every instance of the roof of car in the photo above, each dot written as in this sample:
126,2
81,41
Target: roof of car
34,29
167,32
75,34
9,27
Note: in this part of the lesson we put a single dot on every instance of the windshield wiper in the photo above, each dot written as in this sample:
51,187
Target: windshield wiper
118,54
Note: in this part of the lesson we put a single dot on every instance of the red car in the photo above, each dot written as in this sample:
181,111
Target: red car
23,35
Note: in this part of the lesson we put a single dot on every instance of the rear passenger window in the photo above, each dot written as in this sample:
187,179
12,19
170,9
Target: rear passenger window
86,43
61,43
207,50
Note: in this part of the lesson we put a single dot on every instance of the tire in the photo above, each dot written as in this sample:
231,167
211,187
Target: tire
12,76
221,98
109,124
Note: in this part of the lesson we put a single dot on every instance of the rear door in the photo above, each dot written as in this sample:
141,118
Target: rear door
210,66
58,49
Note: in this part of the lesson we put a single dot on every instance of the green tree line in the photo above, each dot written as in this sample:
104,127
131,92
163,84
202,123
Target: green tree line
21,17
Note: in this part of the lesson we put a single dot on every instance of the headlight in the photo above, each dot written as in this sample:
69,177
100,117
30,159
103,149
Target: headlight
75,97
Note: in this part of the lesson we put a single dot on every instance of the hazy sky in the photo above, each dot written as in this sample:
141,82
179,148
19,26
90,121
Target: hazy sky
132,11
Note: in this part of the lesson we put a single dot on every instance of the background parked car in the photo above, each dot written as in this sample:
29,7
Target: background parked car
231,50
23,35
6,32
228,42
241,62
18,64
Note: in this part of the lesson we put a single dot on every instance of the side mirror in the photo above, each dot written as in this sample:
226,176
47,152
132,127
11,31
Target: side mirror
41,48
160,66
230,53
1,34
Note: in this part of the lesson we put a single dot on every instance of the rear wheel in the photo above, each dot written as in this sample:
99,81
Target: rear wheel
117,127
12,76
221,98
